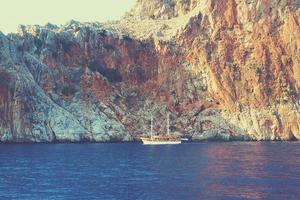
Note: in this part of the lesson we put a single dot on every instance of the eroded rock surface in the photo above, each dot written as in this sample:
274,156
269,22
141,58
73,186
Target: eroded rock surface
226,70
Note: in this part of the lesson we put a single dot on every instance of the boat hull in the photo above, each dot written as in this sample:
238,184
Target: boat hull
159,142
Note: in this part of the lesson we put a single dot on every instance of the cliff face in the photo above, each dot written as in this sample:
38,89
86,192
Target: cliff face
224,69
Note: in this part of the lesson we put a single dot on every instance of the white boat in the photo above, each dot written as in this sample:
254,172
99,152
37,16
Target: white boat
160,139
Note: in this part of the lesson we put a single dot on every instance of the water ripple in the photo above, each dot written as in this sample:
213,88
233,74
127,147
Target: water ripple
133,171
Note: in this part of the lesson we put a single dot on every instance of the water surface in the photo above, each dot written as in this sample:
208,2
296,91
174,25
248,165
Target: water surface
236,170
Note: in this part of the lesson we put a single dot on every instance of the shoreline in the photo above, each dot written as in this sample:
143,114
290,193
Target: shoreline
138,142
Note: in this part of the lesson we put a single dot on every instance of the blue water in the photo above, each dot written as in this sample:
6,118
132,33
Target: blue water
133,171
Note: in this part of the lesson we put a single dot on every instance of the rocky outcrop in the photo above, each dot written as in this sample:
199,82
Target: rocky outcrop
225,70
41,102
161,9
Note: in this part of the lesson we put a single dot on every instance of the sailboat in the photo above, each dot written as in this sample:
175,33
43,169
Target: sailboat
160,139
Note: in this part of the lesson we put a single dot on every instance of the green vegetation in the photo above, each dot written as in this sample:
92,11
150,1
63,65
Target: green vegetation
269,76
184,1
127,38
54,54
165,26
172,3
20,48
68,90
173,128
285,101
143,44
4,78
103,33
38,43
66,45
258,70
93,66
89,94
269,91
117,99
152,16
292,92
108,47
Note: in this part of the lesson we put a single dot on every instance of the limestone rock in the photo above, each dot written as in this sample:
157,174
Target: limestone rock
225,70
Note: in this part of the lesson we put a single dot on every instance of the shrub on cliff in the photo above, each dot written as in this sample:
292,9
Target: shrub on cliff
103,33
258,70
66,45
184,1
108,47
68,90
152,16
38,43
127,38
292,92
20,48
269,91
172,3
4,78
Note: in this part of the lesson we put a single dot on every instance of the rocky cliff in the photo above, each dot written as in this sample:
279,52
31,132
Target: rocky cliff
225,70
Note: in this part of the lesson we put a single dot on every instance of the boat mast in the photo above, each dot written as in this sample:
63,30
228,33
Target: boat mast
168,123
151,132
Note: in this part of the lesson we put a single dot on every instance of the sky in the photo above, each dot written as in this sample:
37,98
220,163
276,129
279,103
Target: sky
30,12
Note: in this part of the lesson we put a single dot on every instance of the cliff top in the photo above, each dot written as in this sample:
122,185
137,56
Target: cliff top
162,19
148,19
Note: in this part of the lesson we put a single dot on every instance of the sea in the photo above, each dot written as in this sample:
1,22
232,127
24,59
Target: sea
208,170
